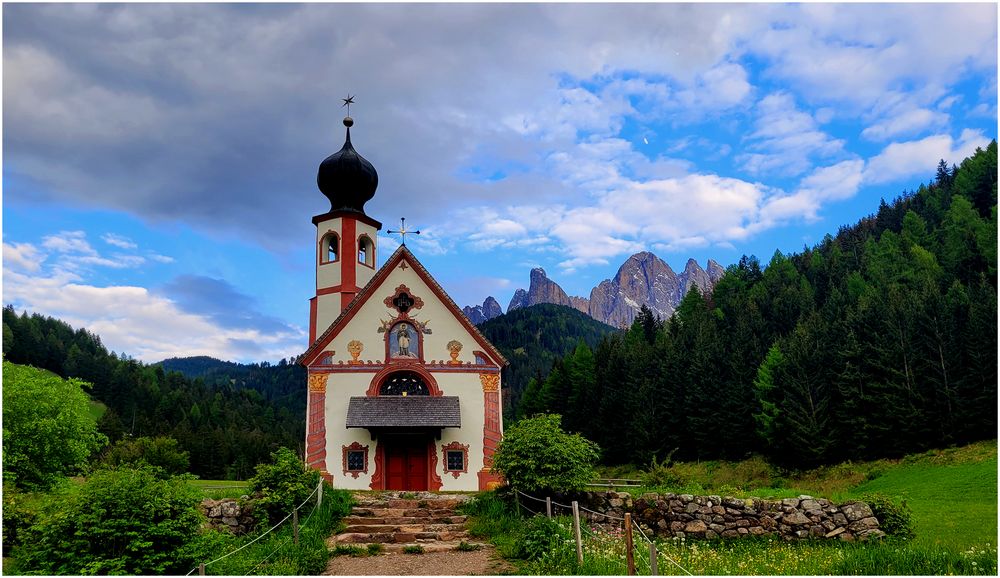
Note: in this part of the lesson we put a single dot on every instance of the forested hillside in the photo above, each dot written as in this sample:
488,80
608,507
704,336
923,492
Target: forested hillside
228,429
280,383
876,342
533,338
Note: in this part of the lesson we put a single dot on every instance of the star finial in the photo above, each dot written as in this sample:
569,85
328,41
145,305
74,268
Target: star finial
348,102
403,231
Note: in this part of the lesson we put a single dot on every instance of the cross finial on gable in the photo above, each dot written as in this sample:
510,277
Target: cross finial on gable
403,231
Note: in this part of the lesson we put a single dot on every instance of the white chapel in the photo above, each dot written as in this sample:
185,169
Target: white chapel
404,391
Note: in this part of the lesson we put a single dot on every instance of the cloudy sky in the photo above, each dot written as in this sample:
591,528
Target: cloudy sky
159,161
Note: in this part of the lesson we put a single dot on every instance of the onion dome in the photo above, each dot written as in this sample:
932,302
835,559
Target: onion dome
347,178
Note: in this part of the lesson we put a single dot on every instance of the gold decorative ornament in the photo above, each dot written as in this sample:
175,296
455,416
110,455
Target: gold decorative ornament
490,381
355,348
317,382
454,348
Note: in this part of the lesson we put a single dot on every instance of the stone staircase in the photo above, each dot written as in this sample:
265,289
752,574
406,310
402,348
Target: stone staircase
400,519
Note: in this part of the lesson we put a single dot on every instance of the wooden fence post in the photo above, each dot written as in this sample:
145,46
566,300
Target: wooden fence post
319,493
653,571
201,569
295,526
576,530
548,507
629,547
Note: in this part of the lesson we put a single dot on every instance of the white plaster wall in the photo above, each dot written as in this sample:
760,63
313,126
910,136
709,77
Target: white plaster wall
328,274
366,273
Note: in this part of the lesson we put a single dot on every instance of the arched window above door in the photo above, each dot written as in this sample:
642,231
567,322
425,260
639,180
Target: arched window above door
404,383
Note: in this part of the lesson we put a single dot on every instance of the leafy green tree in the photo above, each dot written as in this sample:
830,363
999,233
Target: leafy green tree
48,432
122,521
162,453
284,484
536,455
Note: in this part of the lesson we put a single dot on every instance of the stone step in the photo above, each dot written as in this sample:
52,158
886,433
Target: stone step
403,520
428,547
401,512
412,528
398,537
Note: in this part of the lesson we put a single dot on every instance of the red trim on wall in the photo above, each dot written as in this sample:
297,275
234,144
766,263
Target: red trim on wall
348,267
381,376
370,366
434,482
316,436
312,320
378,478
491,436
329,290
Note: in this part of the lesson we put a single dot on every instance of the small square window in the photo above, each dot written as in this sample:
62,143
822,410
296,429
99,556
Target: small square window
355,461
456,460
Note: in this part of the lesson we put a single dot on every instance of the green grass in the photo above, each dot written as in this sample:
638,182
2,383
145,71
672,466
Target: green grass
97,410
953,505
952,494
226,488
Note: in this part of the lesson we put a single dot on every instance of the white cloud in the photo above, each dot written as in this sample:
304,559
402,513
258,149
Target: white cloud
906,123
901,160
835,182
118,241
160,258
132,320
785,139
23,256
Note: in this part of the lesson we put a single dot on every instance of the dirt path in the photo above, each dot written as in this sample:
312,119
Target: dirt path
483,562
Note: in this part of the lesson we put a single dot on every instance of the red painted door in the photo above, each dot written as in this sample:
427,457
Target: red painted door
406,465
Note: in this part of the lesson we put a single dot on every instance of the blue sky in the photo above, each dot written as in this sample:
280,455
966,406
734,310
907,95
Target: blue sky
159,160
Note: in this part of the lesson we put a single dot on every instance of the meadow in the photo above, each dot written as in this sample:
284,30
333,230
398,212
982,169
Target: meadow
952,496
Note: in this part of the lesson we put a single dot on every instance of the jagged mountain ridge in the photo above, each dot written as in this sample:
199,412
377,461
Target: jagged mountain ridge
643,279
480,313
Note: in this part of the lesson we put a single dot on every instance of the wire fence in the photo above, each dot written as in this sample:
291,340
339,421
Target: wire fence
606,527
291,515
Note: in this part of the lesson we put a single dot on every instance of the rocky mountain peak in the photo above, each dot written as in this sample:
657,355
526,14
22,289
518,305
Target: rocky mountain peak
643,279
488,310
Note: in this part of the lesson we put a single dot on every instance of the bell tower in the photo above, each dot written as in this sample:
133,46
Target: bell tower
346,238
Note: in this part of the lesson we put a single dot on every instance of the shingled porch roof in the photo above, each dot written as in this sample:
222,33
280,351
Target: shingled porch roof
397,411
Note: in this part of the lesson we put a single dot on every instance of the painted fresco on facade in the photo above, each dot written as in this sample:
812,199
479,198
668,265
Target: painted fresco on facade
404,342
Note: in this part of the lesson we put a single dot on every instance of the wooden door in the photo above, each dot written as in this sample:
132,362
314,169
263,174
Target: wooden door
406,464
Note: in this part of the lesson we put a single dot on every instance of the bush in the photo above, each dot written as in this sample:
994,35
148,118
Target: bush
893,519
18,516
661,474
541,536
282,485
417,549
536,455
122,521
162,453
48,432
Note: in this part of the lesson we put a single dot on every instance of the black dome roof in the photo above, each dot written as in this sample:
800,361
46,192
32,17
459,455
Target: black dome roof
347,178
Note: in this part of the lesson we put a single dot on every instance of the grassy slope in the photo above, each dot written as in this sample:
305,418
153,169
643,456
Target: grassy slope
953,505
952,492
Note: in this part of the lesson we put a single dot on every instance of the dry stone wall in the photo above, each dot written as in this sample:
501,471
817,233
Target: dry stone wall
687,516
229,514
